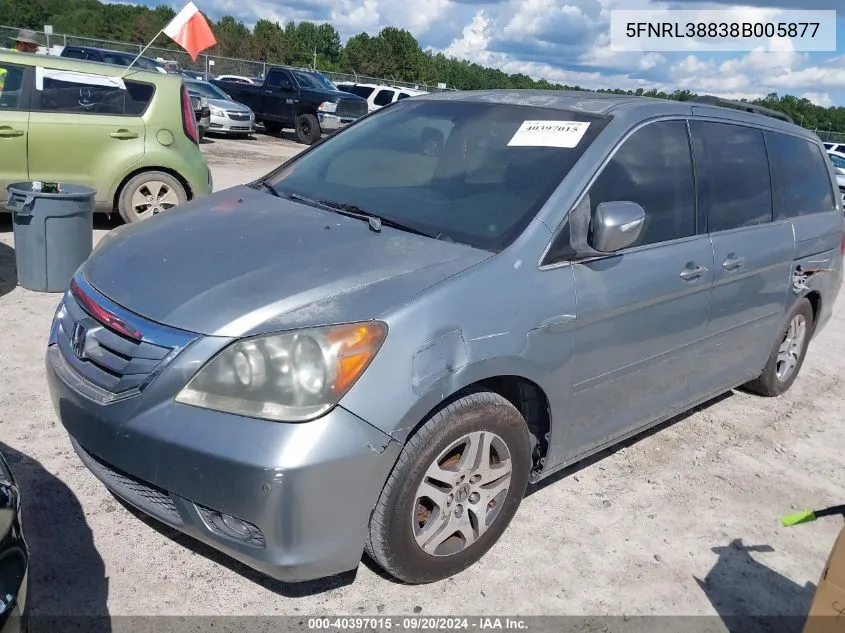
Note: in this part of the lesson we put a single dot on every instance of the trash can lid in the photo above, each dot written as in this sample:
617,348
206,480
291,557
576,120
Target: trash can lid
65,190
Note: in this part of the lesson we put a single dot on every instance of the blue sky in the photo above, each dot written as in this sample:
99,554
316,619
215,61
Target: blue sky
568,41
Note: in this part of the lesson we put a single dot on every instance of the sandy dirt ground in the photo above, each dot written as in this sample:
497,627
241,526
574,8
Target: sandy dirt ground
684,520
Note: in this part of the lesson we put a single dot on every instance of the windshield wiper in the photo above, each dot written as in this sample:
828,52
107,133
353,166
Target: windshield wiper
376,221
268,187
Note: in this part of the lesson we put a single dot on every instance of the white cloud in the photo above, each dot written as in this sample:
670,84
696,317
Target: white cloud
819,98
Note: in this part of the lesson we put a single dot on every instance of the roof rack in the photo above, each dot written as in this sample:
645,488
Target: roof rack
741,105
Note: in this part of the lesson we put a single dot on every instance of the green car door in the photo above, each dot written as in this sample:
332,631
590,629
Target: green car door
14,126
84,130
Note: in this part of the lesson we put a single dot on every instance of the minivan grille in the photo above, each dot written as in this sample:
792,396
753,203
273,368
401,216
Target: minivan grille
104,356
351,109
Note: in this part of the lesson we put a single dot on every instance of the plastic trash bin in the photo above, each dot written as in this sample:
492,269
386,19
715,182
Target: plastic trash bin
54,234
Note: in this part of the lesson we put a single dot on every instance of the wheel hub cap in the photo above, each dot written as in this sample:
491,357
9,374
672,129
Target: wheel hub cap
461,493
791,348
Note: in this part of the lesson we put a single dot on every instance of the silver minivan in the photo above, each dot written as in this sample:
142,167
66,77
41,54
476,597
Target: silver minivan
378,345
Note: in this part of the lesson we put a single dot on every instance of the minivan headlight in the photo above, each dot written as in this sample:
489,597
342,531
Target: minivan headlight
287,377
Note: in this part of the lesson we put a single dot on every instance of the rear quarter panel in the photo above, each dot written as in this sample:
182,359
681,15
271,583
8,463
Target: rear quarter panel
167,147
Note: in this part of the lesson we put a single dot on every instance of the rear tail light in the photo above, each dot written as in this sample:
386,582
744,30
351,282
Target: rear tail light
189,119
842,247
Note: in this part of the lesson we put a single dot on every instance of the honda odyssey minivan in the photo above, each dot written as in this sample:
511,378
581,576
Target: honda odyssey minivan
379,344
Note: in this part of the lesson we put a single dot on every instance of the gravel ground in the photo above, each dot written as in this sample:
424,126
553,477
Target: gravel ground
684,520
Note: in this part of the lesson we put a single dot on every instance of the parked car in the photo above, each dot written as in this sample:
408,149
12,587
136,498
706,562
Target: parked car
225,115
838,160
300,99
398,339
239,79
378,96
119,58
14,556
132,139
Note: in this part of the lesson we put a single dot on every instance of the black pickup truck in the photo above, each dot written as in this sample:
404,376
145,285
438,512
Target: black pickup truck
300,99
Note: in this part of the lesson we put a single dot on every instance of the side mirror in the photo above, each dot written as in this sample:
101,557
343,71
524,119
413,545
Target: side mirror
616,225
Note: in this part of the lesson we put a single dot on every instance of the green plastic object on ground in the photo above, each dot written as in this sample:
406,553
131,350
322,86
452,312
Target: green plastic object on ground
803,516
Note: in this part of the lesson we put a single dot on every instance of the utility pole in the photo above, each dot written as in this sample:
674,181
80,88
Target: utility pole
314,67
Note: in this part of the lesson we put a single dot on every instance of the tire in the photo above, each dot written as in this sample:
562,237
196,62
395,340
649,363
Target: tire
395,524
775,378
160,190
307,129
200,134
842,195
272,127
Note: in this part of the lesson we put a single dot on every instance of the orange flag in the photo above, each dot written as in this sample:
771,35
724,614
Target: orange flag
190,31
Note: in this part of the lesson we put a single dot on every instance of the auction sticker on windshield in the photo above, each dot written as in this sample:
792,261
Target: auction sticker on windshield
549,134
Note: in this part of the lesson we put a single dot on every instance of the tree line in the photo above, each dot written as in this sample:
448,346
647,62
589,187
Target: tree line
392,53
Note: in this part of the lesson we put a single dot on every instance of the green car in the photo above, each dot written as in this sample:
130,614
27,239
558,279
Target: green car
130,135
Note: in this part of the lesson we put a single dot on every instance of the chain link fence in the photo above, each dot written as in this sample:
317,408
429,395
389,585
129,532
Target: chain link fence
177,59
830,137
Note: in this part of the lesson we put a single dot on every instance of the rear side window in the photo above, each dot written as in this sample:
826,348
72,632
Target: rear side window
82,98
278,79
801,178
734,186
361,91
384,97
402,95
138,97
654,169
73,54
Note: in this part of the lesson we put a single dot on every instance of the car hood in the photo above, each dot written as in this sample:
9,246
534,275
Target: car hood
243,262
226,104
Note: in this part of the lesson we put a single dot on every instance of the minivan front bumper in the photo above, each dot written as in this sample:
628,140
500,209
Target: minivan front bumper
290,500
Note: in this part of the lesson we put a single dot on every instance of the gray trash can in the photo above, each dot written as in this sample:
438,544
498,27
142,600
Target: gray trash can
54,234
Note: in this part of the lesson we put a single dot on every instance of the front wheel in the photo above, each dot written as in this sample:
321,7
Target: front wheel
455,488
148,194
307,129
788,354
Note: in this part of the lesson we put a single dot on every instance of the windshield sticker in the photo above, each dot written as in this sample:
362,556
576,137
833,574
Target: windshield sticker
549,134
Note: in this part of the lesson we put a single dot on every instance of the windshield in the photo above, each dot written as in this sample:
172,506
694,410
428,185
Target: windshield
475,173
208,90
314,81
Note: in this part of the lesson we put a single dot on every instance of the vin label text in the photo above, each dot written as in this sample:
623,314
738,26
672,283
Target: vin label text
666,30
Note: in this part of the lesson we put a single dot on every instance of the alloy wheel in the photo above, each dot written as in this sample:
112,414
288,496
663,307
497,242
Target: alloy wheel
461,493
791,347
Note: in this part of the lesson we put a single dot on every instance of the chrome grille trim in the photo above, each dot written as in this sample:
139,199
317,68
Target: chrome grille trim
238,116
113,363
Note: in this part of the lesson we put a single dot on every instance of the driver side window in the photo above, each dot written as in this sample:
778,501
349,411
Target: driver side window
654,169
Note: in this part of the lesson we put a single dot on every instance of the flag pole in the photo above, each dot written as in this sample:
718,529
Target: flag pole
143,50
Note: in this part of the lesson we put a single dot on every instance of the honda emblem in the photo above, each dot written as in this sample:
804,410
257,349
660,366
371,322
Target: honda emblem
77,340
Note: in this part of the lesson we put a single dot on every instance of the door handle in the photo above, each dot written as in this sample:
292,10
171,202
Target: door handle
267,92
733,262
124,135
8,132
688,274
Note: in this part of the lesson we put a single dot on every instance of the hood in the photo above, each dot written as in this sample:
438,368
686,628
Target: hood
243,262
226,104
